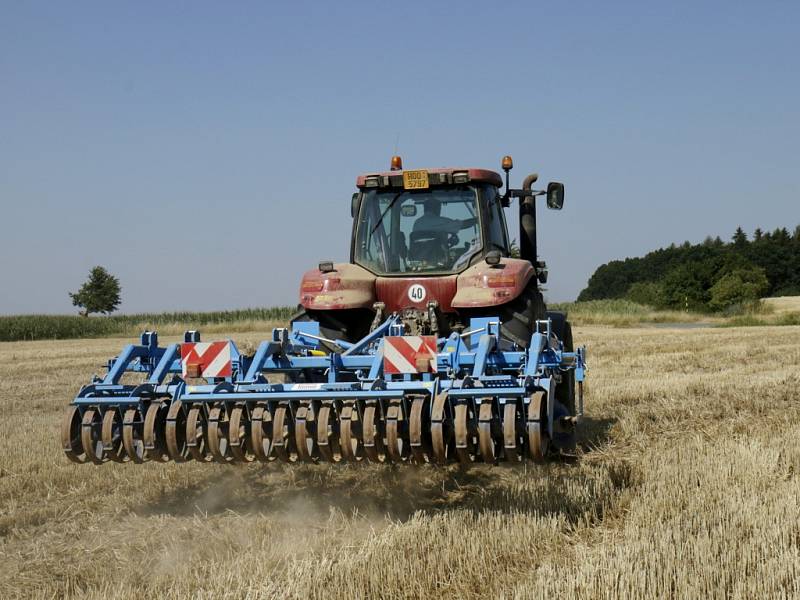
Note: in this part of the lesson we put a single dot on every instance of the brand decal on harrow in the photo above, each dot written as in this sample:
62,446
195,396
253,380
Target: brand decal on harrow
206,359
409,354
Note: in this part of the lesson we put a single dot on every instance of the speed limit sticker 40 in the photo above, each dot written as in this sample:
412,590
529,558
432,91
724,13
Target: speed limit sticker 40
416,293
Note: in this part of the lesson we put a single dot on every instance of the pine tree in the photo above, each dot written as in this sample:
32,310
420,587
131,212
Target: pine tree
740,237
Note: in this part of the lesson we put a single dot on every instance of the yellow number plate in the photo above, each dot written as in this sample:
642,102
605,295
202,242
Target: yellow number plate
415,180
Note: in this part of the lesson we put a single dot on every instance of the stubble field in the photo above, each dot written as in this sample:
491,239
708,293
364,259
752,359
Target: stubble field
688,486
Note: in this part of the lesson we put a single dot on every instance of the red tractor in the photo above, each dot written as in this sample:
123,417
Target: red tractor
433,246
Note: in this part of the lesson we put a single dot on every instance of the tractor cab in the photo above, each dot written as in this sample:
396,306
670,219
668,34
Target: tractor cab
432,229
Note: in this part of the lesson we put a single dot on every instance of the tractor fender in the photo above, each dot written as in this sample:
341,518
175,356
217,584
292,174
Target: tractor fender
346,286
489,285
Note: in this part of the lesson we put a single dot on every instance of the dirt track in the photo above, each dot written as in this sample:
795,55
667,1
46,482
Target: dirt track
688,487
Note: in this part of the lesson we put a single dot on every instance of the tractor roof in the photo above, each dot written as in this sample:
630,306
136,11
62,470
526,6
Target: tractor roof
438,176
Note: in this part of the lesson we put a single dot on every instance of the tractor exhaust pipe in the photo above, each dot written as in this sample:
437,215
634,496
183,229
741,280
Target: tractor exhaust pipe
527,221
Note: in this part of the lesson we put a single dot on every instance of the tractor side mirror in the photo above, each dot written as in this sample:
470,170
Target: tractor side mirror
354,204
555,195
408,210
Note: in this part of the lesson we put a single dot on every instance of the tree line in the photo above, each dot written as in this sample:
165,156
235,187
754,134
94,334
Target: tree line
710,276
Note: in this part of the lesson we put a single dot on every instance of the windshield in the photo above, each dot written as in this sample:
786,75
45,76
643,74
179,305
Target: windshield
433,230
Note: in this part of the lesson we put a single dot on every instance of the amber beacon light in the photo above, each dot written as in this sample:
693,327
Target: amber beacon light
397,163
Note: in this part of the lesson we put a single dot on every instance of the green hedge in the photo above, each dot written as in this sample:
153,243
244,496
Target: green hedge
60,327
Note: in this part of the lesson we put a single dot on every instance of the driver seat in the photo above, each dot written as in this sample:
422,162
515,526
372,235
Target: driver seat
429,246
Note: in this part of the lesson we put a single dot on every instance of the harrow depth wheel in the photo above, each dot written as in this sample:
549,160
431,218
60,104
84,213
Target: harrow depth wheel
239,437
261,433
155,422
111,435
197,434
538,440
282,434
441,428
512,441
175,432
373,437
351,446
465,448
327,438
91,438
132,436
218,434
71,435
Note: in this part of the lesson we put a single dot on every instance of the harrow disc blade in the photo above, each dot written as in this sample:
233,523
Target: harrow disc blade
327,438
396,449
239,437
351,445
175,432
132,436
282,436
372,435
485,441
197,434
155,422
71,435
91,436
303,439
112,436
218,434
441,429
465,449
538,440
512,442
261,433
420,449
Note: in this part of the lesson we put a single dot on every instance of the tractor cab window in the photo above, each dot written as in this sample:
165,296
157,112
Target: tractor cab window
426,231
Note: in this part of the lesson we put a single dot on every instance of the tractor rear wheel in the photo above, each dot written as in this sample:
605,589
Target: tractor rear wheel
520,315
565,391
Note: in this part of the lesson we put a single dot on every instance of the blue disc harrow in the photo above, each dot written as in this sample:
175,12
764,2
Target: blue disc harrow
388,398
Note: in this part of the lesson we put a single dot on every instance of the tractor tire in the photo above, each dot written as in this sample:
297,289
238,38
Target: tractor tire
563,330
565,391
520,315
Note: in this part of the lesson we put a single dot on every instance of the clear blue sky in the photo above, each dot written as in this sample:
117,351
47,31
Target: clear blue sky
206,152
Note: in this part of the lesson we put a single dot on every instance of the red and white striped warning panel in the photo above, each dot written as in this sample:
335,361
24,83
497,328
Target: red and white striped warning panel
206,359
409,354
